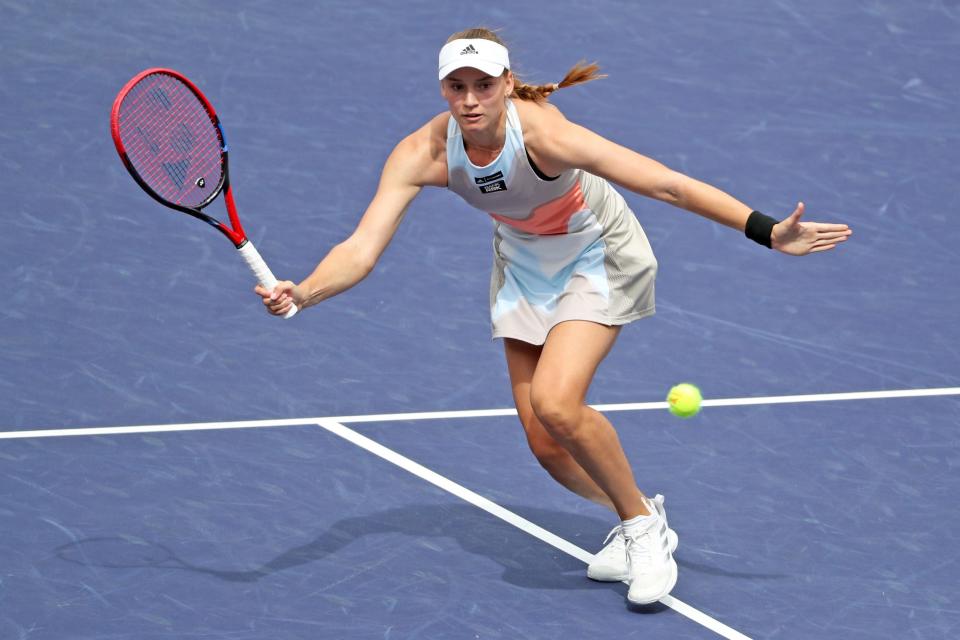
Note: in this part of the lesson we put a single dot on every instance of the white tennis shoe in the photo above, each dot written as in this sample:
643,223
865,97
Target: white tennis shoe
610,563
653,571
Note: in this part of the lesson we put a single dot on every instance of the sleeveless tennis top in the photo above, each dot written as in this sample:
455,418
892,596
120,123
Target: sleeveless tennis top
565,248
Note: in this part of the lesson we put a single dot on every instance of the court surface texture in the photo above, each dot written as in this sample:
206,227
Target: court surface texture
174,463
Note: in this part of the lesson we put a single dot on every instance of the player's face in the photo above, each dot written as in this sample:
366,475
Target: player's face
475,98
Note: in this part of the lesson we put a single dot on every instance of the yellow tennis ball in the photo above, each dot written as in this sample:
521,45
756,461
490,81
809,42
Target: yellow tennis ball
684,400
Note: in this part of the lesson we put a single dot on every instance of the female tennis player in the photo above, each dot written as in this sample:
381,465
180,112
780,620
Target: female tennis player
571,266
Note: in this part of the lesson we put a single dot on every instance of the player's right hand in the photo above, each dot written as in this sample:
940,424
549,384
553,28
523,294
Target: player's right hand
283,296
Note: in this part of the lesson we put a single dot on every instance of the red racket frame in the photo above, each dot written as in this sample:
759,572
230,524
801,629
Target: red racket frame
235,231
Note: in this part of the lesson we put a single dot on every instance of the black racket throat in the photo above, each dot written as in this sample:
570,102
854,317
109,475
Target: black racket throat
234,232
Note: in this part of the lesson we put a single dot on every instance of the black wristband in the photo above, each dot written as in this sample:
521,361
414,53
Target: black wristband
760,228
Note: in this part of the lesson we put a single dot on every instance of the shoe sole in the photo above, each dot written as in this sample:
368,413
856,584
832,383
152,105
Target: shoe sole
671,583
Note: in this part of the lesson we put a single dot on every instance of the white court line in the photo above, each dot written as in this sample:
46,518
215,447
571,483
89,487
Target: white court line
480,413
156,428
510,517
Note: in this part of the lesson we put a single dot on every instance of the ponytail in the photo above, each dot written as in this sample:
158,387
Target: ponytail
578,74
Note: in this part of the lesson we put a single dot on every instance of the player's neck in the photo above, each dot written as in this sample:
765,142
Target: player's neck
488,142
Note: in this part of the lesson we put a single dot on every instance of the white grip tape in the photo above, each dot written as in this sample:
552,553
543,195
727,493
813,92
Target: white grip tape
260,269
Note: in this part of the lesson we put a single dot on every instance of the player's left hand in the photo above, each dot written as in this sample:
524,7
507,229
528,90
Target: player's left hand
800,238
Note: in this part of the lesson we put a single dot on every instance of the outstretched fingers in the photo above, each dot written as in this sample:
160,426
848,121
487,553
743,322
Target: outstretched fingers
795,237
826,241
816,248
837,236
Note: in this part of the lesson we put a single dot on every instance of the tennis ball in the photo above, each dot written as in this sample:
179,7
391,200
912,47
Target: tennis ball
684,400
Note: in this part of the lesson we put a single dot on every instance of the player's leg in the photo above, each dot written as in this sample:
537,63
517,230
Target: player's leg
522,358
609,564
568,361
566,366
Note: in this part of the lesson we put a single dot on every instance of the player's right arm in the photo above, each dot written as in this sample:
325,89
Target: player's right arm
414,163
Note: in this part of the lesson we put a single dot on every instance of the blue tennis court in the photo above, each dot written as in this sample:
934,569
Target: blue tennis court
176,463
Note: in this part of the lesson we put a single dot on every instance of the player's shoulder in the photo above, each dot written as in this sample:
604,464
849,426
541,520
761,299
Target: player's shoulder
535,114
422,155
430,139
541,122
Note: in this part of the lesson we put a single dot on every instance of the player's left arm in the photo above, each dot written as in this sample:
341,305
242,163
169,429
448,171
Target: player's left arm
566,144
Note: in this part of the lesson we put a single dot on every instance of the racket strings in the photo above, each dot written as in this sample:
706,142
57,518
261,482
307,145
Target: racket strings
171,140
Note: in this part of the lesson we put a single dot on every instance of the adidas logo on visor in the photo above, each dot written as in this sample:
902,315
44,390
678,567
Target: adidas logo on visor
485,55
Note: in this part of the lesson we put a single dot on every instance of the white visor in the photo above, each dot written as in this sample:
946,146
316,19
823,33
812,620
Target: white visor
485,55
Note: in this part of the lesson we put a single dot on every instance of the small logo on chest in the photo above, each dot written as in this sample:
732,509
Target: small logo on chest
491,183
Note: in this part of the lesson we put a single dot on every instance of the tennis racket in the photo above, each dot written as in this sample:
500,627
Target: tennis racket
171,141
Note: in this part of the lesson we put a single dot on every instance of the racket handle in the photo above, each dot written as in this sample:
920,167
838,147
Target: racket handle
260,269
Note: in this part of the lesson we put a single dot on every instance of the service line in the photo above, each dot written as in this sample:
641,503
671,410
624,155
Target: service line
476,413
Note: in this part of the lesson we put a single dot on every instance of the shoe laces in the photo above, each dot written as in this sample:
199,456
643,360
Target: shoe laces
638,554
639,550
616,532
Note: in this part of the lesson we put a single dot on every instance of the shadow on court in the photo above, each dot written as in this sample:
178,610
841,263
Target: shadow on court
527,562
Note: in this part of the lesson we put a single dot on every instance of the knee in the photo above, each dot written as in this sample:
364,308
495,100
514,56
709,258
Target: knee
549,453
560,416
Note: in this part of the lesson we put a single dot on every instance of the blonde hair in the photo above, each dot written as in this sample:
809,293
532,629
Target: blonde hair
578,74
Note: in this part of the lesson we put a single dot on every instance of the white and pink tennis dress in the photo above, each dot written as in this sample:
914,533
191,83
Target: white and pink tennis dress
564,248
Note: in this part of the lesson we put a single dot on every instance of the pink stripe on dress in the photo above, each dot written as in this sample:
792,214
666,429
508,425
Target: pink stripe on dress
551,218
